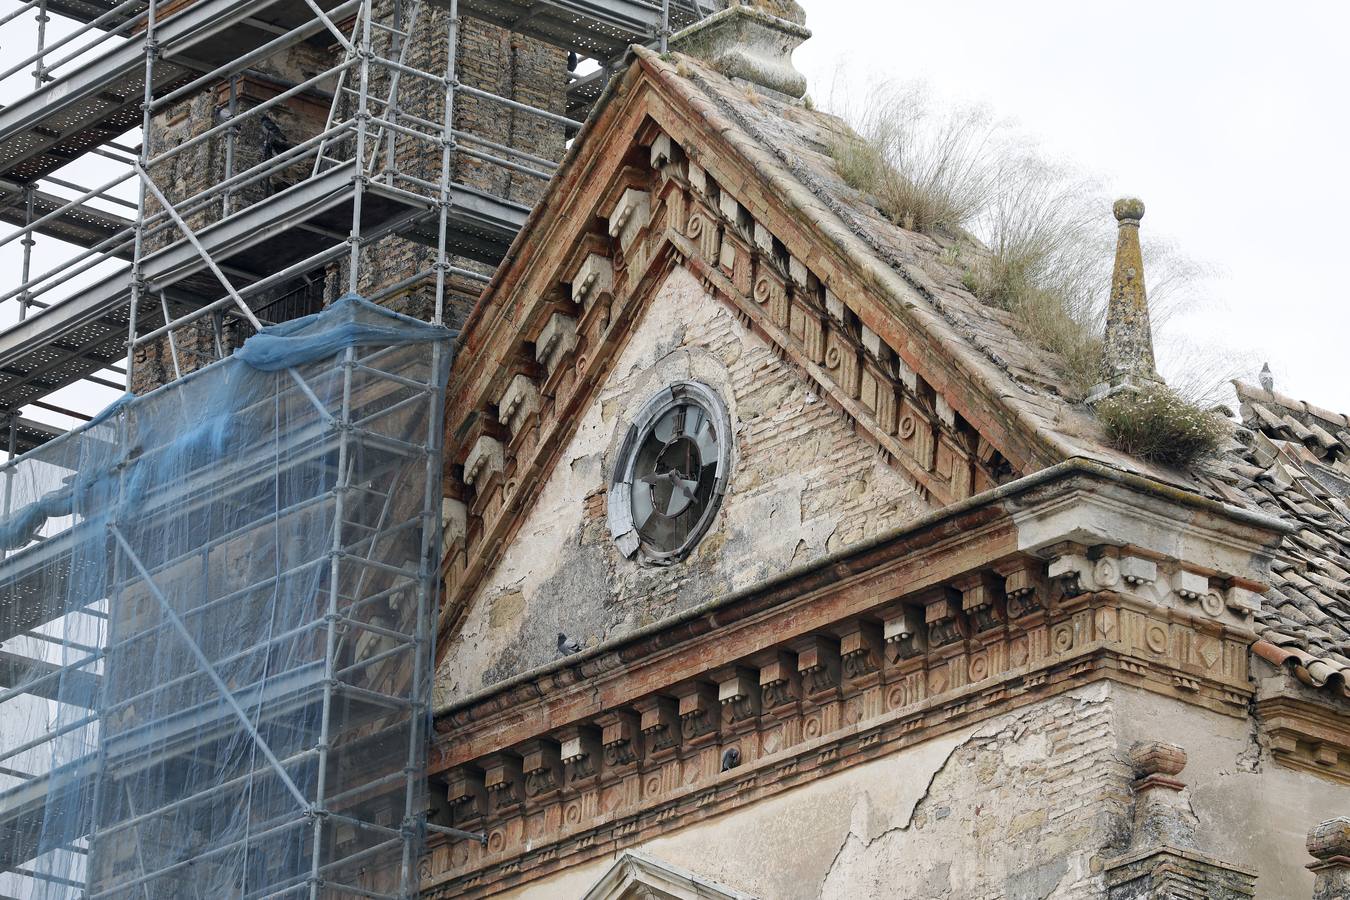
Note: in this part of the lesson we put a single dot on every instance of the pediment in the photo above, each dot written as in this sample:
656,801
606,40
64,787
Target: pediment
637,876
654,187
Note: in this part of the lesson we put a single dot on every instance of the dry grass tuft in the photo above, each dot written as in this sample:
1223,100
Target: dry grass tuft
926,170
1040,235
1158,425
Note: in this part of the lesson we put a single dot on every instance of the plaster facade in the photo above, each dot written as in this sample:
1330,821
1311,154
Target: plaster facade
803,485
1031,805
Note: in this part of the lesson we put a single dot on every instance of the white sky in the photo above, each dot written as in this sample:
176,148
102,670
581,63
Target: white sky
1227,118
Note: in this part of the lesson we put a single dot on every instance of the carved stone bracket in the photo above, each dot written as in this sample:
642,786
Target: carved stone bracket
779,682
818,665
518,403
486,458
738,693
659,722
621,738
504,781
860,650
542,768
579,750
700,713
556,340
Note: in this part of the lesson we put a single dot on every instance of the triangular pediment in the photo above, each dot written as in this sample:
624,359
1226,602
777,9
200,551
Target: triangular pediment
637,876
665,211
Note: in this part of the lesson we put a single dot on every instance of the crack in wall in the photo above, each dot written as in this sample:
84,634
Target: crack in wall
1037,882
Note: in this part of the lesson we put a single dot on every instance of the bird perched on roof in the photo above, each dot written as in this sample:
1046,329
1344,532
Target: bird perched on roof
1267,379
567,646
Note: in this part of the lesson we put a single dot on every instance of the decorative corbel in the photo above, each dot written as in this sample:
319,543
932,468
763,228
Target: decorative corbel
942,615
466,795
593,278
904,632
629,216
700,713
738,693
504,781
556,340
1023,586
542,768
779,682
860,649
620,738
980,600
659,722
579,750
518,403
818,665
486,458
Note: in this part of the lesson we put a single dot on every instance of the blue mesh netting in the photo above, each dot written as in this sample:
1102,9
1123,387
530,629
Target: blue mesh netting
215,617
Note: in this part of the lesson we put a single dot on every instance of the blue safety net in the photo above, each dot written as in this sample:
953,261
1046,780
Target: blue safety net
216,618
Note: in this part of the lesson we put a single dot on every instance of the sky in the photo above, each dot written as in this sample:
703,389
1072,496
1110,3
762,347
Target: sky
1226,118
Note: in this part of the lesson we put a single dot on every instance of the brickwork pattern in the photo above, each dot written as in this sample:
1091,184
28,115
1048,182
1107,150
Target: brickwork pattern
803,484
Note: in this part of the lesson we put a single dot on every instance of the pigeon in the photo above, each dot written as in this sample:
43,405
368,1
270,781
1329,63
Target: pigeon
567,646
731,758
1267,379
572,61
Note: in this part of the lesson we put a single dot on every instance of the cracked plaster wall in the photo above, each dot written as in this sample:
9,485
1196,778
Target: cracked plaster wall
803,484
1027,806
1251,810
1019,807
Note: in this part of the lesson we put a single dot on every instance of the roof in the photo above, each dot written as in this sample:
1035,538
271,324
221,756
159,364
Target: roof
1290,459
1293,462
792,142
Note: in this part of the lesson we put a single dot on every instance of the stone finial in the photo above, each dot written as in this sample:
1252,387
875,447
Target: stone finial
1157,758
1329,844
1162,812
751,40
1129,336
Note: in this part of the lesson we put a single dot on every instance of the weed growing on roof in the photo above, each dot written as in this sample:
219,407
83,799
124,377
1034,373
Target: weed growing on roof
1158,425
1039,238
926,170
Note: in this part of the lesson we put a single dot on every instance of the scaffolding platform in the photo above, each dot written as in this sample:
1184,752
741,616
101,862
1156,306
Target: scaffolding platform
83,225
100,100
602,29
307,222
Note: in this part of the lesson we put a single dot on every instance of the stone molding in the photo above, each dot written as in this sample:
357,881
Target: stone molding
637,876
838,671
1306,735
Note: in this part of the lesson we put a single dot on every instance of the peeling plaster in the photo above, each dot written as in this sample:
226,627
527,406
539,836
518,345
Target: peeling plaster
912,856
803,484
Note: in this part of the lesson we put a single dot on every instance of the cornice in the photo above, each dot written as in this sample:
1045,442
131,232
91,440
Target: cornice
918,633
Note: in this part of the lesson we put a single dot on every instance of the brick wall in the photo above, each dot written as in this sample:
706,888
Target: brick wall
490,58
802,485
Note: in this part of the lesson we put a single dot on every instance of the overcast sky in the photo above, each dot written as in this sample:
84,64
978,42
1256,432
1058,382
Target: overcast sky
1227,118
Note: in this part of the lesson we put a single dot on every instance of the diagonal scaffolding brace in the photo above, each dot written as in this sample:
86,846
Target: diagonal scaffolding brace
210,670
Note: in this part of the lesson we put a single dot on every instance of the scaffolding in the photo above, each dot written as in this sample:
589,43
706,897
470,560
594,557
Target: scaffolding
189,705
143,264
221,596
